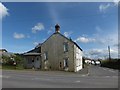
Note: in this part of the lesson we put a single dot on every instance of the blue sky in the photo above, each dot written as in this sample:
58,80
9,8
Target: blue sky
93,25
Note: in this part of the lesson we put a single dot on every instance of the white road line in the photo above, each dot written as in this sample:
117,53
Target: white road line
107,76
83,75
111,71
77,81
1,76
104,69
40,79
111,76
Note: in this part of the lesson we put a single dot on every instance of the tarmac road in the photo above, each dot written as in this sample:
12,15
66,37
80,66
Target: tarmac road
98,77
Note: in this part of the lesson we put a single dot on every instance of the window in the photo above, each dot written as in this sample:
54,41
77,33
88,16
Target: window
65,47
66,62
46,55
32,60
29,61
37,58
60,64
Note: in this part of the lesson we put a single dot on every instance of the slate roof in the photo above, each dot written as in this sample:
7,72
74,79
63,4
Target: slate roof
32,53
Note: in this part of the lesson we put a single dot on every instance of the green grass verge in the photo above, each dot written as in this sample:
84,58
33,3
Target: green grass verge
10,67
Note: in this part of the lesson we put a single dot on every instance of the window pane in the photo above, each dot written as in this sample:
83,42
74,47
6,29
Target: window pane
65,47
46,55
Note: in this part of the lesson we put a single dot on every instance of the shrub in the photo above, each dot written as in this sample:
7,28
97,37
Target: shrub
113,63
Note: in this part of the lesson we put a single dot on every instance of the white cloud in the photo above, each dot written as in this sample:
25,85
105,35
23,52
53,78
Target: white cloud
3,11
101,53
50,31
116,2
98,29
104,7
106,38
35,43
38,27
39,42
28,36
67,34
44,39
18,35
85,39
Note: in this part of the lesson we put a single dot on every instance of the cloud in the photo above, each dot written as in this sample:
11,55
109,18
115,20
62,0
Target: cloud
35,43
38,27
28,36
106,38
3,11
18,35
98,29
95,51
116,2
67,34
85,39
50,31
101,53
117,45
104,7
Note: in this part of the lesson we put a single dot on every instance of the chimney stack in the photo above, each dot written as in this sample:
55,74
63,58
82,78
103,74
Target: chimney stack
57,28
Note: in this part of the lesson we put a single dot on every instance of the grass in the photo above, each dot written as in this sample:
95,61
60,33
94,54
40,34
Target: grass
11,67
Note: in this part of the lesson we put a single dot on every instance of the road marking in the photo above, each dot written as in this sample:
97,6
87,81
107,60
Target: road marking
1,76
40,79
111,76
77,81
111,71
83,75
104,69
107,76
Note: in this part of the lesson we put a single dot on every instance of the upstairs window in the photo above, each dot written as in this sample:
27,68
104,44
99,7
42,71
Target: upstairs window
65,47
46,55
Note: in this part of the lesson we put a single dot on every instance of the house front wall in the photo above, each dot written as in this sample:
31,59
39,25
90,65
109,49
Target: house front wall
77,59
56,56
33,62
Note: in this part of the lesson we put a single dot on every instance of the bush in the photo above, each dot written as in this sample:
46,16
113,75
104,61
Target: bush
15,61
113,63
7,60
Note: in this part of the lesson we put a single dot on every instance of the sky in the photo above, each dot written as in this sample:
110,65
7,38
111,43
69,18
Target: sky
92,25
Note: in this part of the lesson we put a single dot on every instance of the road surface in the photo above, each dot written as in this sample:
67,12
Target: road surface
98,77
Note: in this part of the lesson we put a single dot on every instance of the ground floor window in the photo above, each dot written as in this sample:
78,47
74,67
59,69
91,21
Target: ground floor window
66,62
60,64
29,61
46,55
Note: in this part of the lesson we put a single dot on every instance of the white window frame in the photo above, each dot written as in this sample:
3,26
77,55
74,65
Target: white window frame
46,55
65,47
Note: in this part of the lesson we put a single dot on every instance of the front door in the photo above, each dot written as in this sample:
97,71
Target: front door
37,62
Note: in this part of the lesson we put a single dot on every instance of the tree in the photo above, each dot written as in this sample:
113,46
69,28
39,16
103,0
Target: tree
18,58
6,60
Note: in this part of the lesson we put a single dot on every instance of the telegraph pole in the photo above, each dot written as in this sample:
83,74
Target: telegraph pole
109,52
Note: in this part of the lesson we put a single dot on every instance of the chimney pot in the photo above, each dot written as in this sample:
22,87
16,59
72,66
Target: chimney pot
57,28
